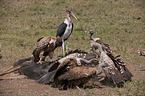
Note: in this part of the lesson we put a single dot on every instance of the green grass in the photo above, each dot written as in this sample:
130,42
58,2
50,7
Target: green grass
22,22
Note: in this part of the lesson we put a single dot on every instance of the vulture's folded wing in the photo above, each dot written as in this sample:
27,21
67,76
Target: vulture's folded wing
120,65
77,76
45,79
52,69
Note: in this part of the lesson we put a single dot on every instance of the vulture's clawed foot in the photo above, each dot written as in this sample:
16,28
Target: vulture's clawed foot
39,62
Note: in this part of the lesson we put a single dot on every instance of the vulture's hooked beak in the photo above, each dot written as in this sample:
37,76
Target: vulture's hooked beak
89,32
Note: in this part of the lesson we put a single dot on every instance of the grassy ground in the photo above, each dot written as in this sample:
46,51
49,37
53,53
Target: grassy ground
120,23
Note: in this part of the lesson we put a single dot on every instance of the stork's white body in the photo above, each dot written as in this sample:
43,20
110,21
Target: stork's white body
68,29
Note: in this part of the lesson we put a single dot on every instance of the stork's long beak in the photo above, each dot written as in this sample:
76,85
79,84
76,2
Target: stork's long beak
74,16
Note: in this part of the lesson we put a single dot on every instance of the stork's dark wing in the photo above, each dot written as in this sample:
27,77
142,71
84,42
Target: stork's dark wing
40,39
72,27
61,29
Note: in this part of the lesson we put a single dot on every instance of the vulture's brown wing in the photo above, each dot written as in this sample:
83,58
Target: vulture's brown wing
76,76
51,71
54,71
65,66
43,41
120,65
114,75
77,51
21,61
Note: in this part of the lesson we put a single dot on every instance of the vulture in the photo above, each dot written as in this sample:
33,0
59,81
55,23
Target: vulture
45,47
72,71
141,53
105,46
19,64
82,57
0,46
0,51
64,73
114,69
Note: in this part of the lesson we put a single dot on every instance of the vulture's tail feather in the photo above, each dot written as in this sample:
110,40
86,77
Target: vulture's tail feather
45,79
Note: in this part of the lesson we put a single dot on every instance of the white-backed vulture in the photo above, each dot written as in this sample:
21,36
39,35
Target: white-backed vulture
113,67
45,47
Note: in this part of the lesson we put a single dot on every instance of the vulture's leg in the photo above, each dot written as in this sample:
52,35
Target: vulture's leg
51,55
14,77
88,61
78,87
101,65
10,70
39,62
41,56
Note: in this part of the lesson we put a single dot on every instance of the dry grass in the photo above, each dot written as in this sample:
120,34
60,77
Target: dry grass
117,22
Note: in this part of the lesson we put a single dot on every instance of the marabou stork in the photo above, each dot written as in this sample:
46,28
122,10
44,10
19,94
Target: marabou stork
65,29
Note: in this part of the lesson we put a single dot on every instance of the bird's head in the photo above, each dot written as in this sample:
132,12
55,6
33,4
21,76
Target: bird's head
70,13
91,32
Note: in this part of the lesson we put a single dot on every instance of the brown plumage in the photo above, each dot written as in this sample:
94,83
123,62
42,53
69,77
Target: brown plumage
19,64
104,45
68,75
45,47
141,53
31,69
57,72
113,67
77,76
